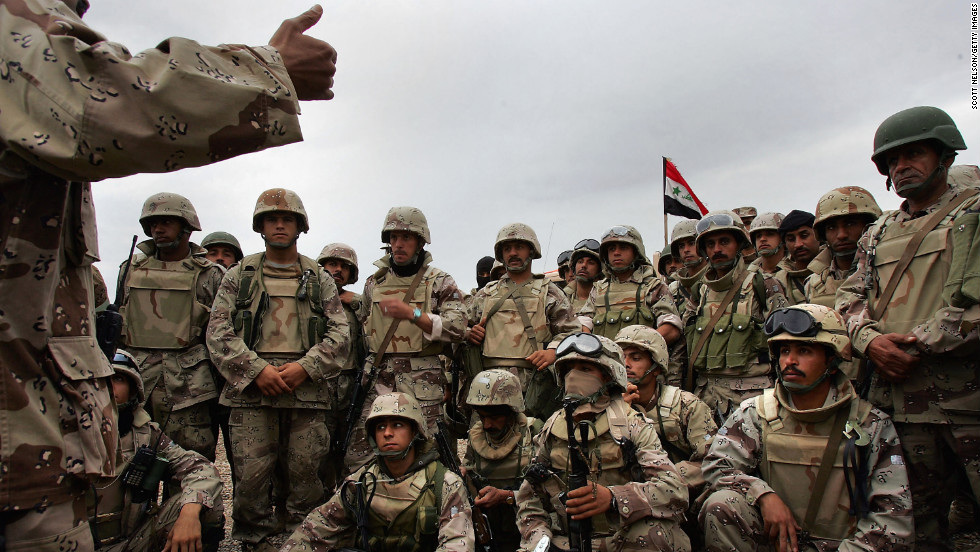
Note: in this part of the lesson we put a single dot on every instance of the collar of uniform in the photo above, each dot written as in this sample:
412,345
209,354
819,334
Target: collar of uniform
957,182
383,264
725,282
560,428
822,261
687,279
495,451
840,395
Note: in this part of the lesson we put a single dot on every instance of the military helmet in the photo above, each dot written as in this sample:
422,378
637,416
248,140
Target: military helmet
124,363
808,323
746,213
912,125
395,405
168,204
405,219
623,234
516,231
564,258
682,230
223,238
665,255
587,247
497,270
646,338
765,221
849,200
719,221
343,252
496,387
279,199
594,349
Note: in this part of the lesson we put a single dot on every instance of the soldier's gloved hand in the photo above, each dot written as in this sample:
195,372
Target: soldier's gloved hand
780,525
476,334
293,374
590,500
888,353
310,62
270,382
488,497
185,535
542,359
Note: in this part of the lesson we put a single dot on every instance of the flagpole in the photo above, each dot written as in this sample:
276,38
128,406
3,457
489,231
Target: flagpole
665,199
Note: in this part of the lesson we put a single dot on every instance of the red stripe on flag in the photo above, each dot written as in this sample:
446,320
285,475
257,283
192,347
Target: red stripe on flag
675,175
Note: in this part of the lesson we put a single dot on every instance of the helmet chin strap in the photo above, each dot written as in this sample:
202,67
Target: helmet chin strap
279,245
799,388
903,190
519,269
724,265
771,252
639,380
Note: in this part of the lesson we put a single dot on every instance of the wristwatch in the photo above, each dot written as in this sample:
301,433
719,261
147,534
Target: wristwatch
510,498
416,314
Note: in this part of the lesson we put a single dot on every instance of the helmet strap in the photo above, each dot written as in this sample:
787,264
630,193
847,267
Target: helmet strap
279,245
518,269
770,252
799,388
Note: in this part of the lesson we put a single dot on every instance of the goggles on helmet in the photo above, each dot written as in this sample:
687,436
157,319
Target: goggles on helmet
616,231
792,321
581,343
125,360
564,257
588,243
719,219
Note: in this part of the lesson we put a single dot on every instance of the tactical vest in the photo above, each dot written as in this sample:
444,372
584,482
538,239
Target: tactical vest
506,336
408,337
795,283
737,346
792,451
502,467
162,311
280,314
413,506
666,415
620,304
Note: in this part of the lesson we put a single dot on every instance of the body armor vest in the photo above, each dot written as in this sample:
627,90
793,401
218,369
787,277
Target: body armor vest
162,311
506,336
408,337
503,466
620,304
404,515
666,414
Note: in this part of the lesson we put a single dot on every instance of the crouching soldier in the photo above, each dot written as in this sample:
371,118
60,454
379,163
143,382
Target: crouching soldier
807,465
404,499
623,493
124,513
499,450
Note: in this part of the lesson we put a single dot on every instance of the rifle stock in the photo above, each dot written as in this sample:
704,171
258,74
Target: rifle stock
109,323
481,525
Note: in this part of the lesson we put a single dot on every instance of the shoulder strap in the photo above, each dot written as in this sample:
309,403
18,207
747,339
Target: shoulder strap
768,408
500,302
912,248
528,326
826,466
437,476
379,356
616,416
710,327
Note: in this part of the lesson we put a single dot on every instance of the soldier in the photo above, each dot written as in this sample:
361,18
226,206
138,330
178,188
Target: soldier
223,249
496,271
498,451
723,316
279,336
169,288
52,143
668,264
781,470
339,260
410,310
764,233
587,267
404,499
747,215
125,515
634,497
684,248
519,319
922,339
796,232
564,267
483,267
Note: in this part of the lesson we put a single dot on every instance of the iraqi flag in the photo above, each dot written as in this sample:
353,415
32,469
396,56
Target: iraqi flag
679,199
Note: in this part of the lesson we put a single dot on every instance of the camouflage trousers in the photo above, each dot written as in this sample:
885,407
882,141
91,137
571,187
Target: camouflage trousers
151,535
289,443
55,529
334,467
730,524
190,427
941,459
724,394
643,535
421,377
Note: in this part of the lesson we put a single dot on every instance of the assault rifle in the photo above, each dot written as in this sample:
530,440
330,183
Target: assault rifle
109,323
579,530
447,453
358,396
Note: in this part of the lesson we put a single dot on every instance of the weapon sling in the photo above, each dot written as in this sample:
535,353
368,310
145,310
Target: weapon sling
380,354
710,327
826,466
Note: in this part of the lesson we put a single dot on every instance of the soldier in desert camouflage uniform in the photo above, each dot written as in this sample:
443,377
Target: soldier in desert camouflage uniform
764,233
169,288
587,268
411,502
432,317
565,267
279,336
668,265
747,215
921,340
65,121
800,240
223,249
635,498
693,266
124,517
771,479
499,450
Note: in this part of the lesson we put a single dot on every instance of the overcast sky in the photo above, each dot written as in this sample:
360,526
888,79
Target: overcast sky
557,113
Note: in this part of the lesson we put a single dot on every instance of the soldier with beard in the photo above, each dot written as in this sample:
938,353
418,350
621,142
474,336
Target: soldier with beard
764,233
565,267
798,235
587,267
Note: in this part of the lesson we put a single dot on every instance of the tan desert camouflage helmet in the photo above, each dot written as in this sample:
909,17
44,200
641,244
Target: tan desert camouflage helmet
397,405
167,204
517,231
223,238
646,338
405,219
606,355
849,200
681,231
125,364
826,327
623,234
765,221
342,252
718,221
496,388
279,199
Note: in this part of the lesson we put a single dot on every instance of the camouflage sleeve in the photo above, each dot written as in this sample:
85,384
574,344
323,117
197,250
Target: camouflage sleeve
775,295
112,114
447,303
455,519
735,453
364,309
588,308
207,284
474,312
325,359
234,360
700,424
852,299
660,300
326,528
664,494
888,525
198,478
562,322
534,521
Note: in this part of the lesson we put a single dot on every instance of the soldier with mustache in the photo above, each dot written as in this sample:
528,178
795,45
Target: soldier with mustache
802,246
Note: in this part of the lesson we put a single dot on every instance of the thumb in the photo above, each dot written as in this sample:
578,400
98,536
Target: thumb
308,18
910,338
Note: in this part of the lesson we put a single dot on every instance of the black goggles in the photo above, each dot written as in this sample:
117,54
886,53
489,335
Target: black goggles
616,232
120,358
719,219
581,343
588,243
564,257
792,321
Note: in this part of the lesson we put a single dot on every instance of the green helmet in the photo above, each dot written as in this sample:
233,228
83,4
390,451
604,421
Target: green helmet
124,363
849,200
682,230
395,405
720,221
496,387
168,204
342,252
223,238
517,231
623,234
646,338
279,199
405,219
665,256
607,356
912,125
